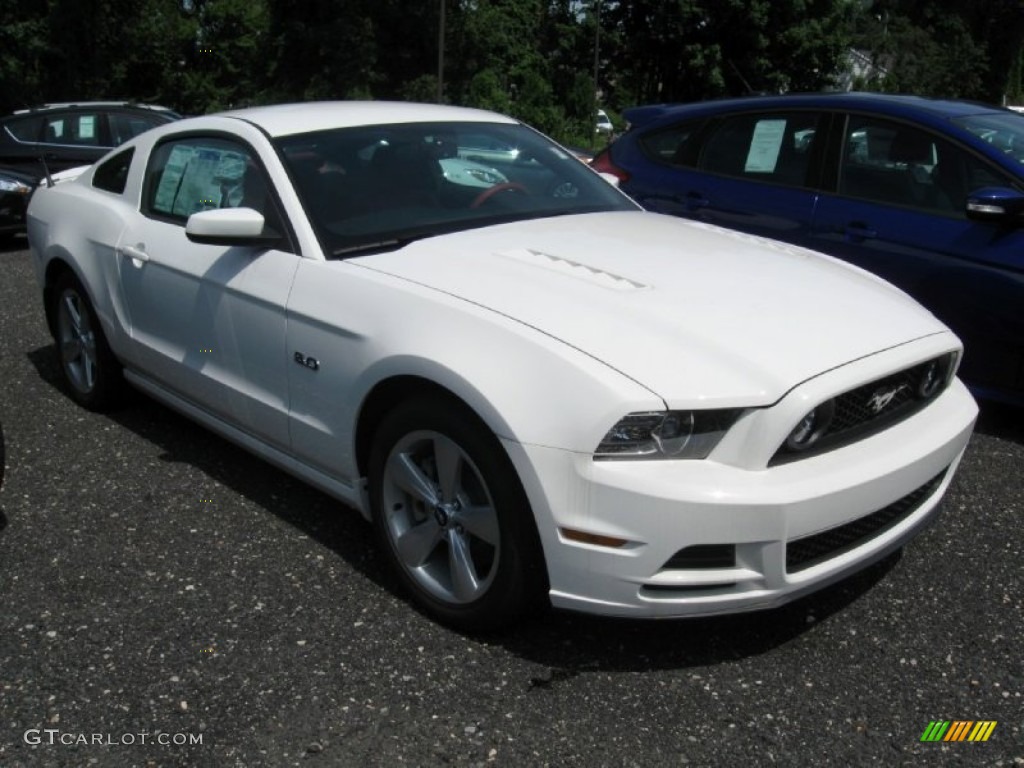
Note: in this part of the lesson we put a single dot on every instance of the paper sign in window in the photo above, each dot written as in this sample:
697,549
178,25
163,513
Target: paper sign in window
764,146
87,127
199,178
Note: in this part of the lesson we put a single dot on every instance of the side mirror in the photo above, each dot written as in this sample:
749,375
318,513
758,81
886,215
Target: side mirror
230,226
1000,205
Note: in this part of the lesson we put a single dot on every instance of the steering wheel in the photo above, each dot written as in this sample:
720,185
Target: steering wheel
505,186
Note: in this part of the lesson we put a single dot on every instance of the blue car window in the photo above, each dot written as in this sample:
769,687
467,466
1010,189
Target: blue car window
1003,130
897,164
676,145
771,147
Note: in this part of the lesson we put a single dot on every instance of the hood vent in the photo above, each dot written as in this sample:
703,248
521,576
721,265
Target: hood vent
574,269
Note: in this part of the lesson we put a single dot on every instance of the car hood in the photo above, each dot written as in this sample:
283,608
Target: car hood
25,178
694,313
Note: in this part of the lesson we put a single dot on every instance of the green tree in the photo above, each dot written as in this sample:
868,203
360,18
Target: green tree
321,49
924,49
23,43
946,47
224,65
684,50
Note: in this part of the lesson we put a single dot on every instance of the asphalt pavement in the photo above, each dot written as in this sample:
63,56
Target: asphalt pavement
168,600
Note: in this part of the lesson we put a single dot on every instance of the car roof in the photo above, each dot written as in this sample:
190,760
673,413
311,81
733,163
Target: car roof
94,105
289,119
893,104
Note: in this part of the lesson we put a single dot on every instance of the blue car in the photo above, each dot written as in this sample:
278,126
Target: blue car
927,194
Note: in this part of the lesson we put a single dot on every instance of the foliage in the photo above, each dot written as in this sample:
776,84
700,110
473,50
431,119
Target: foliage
534,59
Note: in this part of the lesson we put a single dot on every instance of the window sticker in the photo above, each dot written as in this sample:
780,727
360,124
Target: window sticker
764,146
198,179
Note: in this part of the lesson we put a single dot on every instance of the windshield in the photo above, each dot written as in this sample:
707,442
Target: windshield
380,186
1005,131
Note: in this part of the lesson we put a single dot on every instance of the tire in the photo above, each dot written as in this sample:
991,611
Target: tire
90,370
452,517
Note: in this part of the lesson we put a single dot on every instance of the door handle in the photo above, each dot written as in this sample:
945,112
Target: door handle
695,200
858,230
133,253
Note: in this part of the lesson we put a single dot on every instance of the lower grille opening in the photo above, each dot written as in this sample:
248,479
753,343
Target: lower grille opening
703,556
670,590
810,551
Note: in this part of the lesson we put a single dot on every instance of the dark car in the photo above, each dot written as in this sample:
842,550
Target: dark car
15,190
66,135
928,194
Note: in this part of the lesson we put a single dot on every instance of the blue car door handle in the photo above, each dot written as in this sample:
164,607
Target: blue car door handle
858,230
695,200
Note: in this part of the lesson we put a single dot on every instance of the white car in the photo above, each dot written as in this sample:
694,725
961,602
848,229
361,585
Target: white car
536,397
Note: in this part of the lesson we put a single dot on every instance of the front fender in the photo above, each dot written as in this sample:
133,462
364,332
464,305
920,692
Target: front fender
364,328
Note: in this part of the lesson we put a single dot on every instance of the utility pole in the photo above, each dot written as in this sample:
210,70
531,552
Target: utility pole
440,56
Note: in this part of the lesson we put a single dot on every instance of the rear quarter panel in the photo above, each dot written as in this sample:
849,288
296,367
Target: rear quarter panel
75,225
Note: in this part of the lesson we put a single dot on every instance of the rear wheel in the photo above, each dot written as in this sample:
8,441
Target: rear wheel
452,516
90,370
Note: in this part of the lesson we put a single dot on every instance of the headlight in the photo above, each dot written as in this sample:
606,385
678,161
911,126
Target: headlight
10,185
666,434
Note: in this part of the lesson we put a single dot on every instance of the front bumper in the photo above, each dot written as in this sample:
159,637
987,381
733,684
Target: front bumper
816,511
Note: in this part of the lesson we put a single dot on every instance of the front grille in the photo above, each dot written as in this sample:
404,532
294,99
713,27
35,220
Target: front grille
870,408
809,551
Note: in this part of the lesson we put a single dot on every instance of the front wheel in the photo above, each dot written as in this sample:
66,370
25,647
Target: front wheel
452,516
90,369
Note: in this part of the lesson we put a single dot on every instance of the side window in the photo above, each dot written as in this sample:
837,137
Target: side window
775,148
25,128
199,173
124,126
958,173
676,145
897,164
112,176
74,129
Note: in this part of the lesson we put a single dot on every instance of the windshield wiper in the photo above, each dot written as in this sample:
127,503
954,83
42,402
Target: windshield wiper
384,245
379,246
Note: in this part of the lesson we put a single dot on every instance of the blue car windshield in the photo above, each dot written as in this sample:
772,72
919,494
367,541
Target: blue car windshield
1005,131
380,186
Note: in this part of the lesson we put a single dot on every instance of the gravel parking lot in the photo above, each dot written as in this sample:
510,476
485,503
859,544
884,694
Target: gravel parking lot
166,599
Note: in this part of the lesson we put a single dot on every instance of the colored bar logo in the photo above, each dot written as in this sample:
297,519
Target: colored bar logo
959,730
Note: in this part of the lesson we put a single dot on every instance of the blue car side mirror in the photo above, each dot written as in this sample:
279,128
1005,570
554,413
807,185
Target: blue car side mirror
996,204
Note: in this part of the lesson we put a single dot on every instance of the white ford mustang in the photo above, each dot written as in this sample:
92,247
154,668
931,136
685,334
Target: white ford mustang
537,392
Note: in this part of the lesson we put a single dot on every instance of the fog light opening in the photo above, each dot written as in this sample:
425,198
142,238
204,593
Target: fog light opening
932,379
811,427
